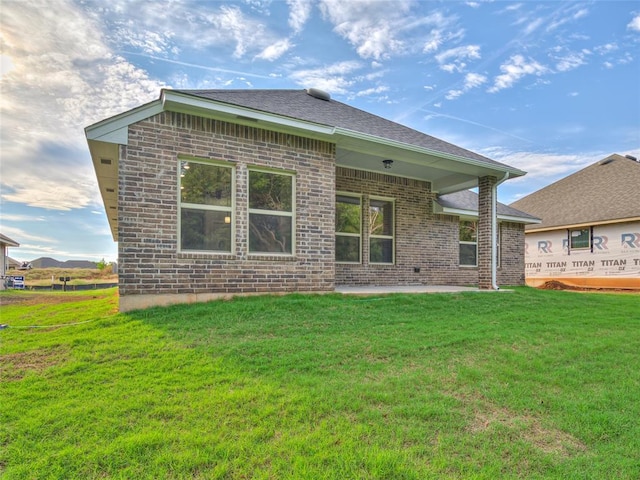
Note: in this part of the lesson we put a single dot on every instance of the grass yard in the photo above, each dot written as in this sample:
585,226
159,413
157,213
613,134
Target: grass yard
528,384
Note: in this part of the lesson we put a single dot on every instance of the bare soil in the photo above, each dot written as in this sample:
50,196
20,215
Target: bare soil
556,285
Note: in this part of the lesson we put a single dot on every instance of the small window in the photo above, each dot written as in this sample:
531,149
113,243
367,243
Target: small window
498,249
468,243
206,204
580,238
348,229
271,212
381,231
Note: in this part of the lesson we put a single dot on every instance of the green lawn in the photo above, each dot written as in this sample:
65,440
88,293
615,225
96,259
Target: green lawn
527,384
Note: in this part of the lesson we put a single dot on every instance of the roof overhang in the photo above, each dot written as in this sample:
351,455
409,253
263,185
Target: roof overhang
459,212
7,242
547,228
446,173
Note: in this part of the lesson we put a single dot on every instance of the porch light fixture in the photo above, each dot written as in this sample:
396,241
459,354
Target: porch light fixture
387,163
227,220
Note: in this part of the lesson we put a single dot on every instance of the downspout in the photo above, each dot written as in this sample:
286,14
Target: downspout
494,232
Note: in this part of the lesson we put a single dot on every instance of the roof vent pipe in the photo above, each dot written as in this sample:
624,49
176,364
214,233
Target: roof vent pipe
317,93
631,157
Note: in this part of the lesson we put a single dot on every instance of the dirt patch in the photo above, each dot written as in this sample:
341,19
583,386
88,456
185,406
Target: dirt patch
528,427
488,417
556,285
42,298
15,366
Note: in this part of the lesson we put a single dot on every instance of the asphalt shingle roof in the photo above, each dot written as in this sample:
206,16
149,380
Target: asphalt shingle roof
468,200
300,105
608,190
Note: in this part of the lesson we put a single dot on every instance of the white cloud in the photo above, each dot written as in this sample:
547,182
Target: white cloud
299,13
634,24
571,60
444,30
333,78
453,59
372,27
606,48
20,235
545,167
471,80
570,14
275,51
453,94
63,78
372,91
516,68
533,26
146,27
380,30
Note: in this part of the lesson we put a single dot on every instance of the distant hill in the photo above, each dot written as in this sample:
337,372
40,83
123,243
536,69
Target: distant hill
47,262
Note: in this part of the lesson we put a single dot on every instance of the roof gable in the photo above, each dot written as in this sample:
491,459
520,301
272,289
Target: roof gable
606,191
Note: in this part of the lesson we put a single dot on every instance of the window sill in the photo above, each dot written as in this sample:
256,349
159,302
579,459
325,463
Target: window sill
207,255
272,258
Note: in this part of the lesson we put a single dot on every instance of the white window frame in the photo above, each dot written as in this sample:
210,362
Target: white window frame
589,234
344,234
258,211
392,237
182,159
465,242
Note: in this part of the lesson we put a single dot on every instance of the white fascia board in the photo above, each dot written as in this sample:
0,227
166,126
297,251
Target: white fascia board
115,129
511,218
474,214
414,148
582,225
188,102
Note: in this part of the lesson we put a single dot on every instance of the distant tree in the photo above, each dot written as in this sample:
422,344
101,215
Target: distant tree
102,264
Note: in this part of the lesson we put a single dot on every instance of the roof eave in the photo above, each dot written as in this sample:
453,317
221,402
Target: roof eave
502,171
186,103
547,228
459,212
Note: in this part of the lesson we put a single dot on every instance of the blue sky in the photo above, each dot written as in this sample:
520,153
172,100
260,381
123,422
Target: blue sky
548,87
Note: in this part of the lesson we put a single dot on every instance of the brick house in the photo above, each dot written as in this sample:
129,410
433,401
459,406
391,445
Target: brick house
211,193
590,230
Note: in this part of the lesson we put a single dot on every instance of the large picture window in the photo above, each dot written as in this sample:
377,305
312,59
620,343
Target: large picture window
468,243
271,212
381,231
348,229
206,205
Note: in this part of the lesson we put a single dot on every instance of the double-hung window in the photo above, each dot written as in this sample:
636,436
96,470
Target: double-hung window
206,206
271,212
468,243
381,230
348,228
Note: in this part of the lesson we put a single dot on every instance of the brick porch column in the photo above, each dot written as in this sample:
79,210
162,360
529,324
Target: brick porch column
485,219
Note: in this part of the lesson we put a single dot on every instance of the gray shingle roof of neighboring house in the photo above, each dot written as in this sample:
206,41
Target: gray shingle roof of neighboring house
300,105
604,192
467,200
